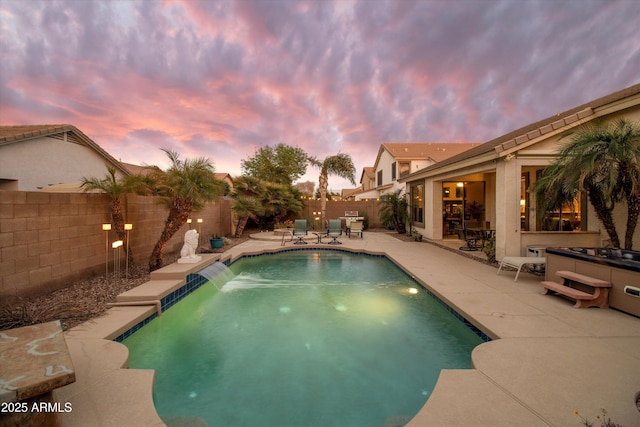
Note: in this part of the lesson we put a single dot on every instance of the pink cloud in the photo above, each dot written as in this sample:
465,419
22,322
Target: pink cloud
220,79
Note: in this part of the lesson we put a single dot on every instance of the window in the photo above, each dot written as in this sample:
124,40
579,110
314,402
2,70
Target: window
524,201
379,178
570,217
417,203
393,171
405,168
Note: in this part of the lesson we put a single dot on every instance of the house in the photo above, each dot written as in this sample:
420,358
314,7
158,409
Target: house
349,193
367,188
35,157
396,160
226,178
491,184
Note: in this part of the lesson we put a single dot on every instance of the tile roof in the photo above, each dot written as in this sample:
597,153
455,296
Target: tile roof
533,130
16,134
436,151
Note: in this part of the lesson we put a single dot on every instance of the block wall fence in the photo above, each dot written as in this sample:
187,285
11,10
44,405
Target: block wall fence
50,240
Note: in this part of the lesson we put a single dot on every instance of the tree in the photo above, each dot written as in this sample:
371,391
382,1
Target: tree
281,164
258,200
306,188
394,210
280,200
184,188
340,165
604,161
248,192
115,188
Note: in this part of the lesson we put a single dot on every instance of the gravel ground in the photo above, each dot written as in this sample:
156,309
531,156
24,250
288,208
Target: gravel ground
86,299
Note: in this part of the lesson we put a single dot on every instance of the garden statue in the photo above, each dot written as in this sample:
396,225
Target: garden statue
188,252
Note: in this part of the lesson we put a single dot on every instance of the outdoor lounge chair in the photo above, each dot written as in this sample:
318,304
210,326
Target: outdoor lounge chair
334,231
300,231
518,262
355,227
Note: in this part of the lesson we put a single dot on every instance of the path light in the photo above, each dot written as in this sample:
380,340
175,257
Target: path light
106,228
199,220
127,228
116,258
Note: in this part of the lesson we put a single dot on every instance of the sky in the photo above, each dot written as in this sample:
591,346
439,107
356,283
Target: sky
220,79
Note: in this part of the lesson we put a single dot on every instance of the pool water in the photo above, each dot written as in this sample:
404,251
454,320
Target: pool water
302,338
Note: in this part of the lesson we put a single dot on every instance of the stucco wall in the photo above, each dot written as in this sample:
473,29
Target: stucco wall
40,162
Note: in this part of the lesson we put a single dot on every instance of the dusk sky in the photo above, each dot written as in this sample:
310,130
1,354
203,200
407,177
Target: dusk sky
223,78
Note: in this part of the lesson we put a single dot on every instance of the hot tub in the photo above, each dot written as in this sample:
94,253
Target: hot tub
618,266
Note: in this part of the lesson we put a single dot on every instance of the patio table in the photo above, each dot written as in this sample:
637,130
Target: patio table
319,235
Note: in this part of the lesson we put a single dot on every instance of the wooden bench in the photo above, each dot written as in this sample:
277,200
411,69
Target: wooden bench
600,297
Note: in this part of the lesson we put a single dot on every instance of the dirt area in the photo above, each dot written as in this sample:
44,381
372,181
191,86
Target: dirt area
86,299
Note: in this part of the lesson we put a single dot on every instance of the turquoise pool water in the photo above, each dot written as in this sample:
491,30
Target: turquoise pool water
302,339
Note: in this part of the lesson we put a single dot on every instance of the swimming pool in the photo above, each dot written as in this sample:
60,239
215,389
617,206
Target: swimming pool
313,338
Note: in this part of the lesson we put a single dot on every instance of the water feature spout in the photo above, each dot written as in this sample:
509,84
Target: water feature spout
217,273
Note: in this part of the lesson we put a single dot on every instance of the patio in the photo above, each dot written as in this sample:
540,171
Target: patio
546,361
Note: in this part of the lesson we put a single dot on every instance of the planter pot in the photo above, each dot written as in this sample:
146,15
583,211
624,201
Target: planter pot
216,243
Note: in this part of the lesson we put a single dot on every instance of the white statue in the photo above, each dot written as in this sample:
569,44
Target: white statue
188,252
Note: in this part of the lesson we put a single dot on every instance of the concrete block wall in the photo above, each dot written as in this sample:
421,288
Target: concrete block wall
336,209
49,240
148,218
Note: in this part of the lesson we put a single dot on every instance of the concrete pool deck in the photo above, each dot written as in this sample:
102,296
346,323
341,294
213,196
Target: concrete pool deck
547,359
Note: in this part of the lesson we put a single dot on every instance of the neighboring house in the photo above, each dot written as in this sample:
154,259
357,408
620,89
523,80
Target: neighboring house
225,177
36,157
492,185
367,185
349,193
396,160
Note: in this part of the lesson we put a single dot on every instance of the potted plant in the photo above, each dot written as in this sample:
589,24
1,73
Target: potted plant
216,241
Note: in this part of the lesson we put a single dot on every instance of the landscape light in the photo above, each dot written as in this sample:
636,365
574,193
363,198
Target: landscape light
106,228
128,228
116,258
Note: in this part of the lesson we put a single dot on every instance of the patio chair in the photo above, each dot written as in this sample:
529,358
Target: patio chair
334,231
300,231
473,241
356,227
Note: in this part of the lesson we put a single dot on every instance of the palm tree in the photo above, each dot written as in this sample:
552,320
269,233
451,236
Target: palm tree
114,188
184,188
340,165
604,161
394,210
280,200
248,193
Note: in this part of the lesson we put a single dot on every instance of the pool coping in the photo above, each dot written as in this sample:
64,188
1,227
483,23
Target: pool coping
485,386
